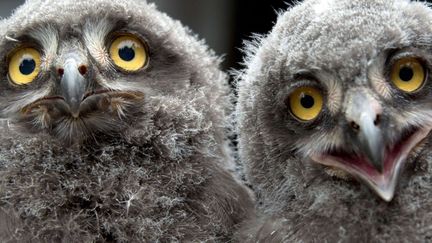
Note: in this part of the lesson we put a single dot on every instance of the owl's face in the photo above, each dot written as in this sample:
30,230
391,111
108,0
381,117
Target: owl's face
74,69
344,86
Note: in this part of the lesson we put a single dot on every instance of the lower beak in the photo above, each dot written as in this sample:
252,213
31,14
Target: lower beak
382,183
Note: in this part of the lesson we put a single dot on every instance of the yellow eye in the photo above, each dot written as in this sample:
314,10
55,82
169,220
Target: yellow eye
306,103
128,53
408,74
24,66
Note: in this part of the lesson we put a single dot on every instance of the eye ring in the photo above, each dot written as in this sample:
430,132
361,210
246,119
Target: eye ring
305,103
129,53
24,65
408,74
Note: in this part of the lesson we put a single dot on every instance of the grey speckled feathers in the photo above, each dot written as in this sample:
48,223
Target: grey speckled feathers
144,157
334,116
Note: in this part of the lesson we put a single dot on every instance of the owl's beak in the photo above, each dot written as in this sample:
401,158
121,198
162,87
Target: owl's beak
73,84
369,139
363,115
377,161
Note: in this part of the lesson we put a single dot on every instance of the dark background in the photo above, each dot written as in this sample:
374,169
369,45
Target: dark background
224,24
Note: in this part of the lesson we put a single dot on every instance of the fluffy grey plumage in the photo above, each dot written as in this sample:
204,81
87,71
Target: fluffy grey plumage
357,56
128,157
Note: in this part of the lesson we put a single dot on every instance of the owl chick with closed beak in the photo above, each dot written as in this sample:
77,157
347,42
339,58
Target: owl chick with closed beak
334,120
115,128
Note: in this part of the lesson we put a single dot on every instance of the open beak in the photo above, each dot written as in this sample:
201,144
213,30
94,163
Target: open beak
73,85
384,182
376,162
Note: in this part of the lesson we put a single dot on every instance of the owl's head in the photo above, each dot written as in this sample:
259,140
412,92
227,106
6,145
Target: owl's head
340,87
76,68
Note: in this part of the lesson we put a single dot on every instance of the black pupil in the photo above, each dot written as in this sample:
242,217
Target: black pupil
307,101
127,53
27,66
406,74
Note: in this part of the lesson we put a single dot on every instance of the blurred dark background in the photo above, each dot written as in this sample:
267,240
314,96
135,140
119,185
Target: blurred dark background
224,24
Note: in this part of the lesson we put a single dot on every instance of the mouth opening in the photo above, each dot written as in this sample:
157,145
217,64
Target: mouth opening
383,183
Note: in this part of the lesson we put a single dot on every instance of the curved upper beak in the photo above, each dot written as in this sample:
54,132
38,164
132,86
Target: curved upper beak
370,140
73,84
369,137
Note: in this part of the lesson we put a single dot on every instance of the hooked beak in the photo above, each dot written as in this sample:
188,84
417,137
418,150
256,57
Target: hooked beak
370,140
73,85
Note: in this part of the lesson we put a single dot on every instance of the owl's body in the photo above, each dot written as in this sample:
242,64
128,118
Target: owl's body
99,145
116,190
331,83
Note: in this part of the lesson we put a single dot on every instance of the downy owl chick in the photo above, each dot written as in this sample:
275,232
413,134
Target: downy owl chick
114,128
334,116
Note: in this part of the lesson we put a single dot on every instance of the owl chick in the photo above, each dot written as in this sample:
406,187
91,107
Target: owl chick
334,117
115,128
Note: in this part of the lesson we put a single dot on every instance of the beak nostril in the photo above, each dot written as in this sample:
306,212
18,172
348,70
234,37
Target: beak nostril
82,69
354,126
377,120
60,71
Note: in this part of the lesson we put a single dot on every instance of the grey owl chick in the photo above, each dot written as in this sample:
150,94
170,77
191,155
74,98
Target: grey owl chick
114,128
334,117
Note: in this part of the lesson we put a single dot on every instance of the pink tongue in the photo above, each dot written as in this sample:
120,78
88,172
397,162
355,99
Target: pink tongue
359,163
391,158
362,164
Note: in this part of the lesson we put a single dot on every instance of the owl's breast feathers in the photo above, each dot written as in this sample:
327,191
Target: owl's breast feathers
160,181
